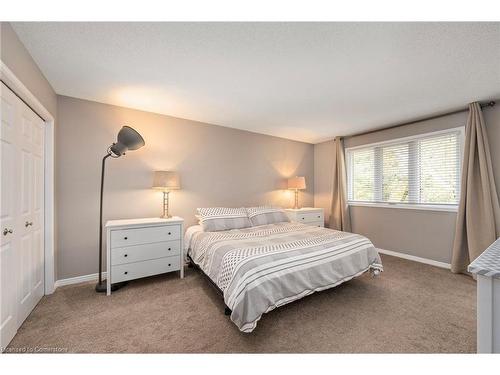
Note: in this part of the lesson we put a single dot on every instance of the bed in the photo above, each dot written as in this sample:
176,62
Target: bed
263,267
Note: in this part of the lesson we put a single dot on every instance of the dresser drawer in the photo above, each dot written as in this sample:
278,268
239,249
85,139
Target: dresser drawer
310,217
130,254
129,271
136,236
316,223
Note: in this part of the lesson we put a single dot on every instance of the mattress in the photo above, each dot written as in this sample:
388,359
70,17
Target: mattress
261,268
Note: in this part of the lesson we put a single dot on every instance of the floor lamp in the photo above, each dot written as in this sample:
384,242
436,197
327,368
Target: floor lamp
128,139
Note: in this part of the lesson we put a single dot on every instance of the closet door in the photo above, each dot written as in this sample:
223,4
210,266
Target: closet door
9,244
31,251
21,213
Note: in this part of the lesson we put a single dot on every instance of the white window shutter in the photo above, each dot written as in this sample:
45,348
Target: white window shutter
417,170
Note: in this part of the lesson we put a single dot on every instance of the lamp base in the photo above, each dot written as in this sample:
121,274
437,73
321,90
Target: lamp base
102,286
166,214
296,205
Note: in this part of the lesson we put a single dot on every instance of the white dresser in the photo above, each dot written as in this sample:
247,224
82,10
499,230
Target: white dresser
143,247
307,215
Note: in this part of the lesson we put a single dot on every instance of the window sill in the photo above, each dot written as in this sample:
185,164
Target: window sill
429,207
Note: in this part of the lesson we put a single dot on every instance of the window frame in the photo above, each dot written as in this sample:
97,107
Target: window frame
413,206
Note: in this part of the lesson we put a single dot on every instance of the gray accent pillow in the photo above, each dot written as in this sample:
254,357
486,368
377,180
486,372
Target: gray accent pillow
215,219
266,215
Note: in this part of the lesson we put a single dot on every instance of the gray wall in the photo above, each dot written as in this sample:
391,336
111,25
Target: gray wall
218,167
492,119
427,234
324,159
20,62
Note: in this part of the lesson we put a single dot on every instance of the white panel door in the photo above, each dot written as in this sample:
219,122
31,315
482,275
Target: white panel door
21,209
9,244
31,251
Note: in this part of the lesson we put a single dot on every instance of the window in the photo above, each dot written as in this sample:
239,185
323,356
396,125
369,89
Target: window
415,171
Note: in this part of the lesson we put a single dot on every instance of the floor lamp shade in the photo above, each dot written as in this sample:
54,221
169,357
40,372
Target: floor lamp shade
127,139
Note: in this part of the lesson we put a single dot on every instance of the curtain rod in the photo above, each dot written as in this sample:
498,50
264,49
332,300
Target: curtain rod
491,103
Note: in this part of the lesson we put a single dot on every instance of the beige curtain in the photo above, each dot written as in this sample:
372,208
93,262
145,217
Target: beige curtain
478,217
339,217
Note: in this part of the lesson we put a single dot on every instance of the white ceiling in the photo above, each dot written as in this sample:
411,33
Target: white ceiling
303,81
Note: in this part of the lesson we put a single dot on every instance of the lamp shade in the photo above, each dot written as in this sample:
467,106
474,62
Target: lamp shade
166,180
128,139
297,183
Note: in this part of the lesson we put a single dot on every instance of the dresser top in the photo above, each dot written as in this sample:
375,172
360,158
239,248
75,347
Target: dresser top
488,263
143,221
303,209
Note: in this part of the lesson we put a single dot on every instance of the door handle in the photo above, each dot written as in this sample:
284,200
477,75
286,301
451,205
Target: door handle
28,223
7,231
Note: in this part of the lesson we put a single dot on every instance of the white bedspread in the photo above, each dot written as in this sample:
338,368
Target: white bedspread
261,268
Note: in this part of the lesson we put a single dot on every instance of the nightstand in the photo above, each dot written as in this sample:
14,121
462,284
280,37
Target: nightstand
143,247
307,215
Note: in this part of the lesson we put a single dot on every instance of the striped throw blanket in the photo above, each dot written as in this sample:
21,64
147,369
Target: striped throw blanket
261,268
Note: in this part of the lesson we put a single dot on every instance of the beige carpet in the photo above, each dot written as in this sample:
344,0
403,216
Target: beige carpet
411,308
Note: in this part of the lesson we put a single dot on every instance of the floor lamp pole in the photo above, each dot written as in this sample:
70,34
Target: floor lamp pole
101,284
103,168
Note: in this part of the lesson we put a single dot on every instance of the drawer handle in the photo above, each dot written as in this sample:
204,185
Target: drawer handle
169,264
169,233
319,216
125,238
126,272
126,255
169,248
7,231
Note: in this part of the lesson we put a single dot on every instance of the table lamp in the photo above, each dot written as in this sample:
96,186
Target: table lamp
166,181
296,183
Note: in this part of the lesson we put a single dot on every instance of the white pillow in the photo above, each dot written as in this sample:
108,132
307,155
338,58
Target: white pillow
266,215
222,218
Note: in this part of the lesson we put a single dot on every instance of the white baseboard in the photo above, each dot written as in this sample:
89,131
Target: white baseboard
93,276
78,279
415,258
